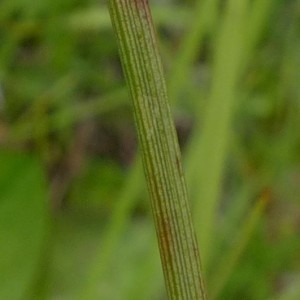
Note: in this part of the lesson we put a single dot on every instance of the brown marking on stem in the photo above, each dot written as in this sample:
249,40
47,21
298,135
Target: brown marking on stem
165,229
142,2
178,165
144,6
166,235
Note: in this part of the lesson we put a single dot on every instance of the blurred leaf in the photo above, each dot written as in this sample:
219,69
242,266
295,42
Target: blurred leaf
23,223
232,256
209,145
95,18
292,291
97,186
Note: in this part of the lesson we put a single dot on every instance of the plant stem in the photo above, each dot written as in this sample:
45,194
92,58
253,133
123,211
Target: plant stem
159,146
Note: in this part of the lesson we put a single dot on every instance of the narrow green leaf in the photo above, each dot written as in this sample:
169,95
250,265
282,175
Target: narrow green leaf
230,259
203,19
208,147
23,223
118,223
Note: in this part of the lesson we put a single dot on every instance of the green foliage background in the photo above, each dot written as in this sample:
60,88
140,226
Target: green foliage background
75,221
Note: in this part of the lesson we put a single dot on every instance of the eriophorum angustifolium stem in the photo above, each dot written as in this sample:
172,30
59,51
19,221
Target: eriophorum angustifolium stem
141,62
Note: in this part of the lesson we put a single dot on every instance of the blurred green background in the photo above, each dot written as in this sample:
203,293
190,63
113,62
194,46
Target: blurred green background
75,221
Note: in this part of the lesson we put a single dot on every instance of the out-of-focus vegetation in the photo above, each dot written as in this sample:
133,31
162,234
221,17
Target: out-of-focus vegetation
74,214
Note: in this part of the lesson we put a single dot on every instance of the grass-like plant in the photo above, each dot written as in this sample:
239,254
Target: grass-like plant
233,81
159,146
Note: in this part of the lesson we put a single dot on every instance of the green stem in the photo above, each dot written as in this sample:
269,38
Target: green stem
159,146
